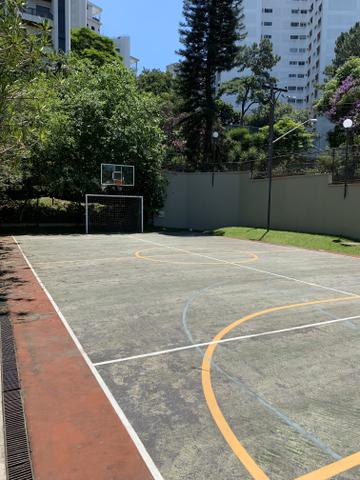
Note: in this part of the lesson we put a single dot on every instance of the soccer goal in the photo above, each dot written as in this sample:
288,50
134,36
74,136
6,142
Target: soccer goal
114,214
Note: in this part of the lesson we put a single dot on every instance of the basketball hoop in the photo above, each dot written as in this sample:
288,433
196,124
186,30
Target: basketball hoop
119,182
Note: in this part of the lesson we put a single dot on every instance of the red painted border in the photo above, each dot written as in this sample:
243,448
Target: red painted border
74,431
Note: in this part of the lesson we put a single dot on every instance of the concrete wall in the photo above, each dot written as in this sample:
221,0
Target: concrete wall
303,203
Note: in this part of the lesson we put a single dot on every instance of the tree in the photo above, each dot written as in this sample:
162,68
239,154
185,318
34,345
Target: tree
157,82
90,45
341,95
256,62
288,151
260,117
96,118
162,85
209,36
21,58
347,46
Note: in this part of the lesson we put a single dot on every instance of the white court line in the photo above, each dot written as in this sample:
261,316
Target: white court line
247,267
133,435
227,340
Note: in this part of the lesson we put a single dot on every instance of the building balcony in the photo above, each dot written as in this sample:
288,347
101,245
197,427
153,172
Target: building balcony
37,14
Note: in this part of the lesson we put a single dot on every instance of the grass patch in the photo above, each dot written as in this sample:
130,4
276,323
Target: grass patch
304,240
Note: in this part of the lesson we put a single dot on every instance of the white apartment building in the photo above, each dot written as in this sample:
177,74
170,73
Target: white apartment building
56,13
62,15
123,47
303,33
85,14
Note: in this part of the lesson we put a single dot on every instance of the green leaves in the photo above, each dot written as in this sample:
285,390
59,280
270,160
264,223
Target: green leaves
93,119
96,48
258,59
347,46
21,59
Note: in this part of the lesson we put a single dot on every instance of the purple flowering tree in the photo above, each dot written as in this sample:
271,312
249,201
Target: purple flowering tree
341,97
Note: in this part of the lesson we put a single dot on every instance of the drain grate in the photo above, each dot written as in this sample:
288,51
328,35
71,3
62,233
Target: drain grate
16,439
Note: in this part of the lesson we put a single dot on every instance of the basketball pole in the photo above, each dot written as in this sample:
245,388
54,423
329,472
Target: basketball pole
86,215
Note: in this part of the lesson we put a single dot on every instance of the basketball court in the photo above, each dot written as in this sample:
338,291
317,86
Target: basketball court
224,359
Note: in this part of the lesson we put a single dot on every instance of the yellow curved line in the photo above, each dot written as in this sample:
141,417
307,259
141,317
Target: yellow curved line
139,254
333,469
249,463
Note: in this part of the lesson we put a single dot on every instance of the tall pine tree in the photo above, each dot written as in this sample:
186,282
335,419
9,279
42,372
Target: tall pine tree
210,36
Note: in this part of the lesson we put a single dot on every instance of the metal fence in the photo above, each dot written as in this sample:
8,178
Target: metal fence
343,165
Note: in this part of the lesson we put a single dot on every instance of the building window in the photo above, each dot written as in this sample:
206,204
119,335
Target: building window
267,24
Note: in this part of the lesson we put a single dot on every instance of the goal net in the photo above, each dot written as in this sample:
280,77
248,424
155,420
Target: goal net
114,213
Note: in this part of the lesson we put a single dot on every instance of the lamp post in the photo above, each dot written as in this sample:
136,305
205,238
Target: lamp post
215,137
272,103
270,164
347,124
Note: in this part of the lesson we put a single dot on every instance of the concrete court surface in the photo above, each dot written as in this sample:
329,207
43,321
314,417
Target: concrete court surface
278,403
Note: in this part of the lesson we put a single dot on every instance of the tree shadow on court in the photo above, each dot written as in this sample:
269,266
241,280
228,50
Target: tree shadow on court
179,232
8,279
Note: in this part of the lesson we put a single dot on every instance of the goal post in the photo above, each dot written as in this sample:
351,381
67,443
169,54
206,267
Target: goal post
114,213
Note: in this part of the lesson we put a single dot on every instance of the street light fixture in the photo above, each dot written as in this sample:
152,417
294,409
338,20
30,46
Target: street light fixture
310,120
347,124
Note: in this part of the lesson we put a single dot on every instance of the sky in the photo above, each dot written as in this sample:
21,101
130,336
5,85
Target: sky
152,25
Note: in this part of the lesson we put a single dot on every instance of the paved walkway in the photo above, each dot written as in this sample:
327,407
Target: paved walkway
73,429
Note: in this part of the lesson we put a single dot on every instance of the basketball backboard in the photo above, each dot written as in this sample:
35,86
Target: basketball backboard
117,175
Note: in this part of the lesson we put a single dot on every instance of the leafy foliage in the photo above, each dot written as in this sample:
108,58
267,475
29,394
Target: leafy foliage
341,97
286,150
93,119
90,45
157,82
248,89
21,57
249,146
163,86
347,46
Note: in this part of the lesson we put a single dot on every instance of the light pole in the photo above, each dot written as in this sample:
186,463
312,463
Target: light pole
215,137
347,124
272,103
271,154
310,120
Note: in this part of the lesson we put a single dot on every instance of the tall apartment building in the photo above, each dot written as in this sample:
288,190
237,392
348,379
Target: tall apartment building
56,13
303,33
63,15
85,14
123,47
